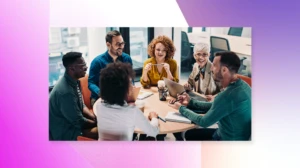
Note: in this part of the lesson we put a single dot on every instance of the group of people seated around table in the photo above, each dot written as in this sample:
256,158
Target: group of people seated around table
111,79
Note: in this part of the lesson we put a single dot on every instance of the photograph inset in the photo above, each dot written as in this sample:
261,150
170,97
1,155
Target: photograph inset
150,84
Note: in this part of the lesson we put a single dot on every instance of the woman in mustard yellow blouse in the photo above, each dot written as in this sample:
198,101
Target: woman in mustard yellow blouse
161,64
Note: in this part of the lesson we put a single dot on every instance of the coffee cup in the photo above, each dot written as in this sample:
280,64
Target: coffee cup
161,84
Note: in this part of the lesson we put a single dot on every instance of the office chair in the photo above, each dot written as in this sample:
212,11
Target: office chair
186,51
217,44
235,31
245,78
86,93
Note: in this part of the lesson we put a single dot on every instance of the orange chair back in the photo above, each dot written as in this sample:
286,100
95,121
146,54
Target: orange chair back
245,78
86,93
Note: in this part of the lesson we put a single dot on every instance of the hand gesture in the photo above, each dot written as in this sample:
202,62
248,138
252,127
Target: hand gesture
167,67
210,98
183,99
152,115
174,104
147,67
187,87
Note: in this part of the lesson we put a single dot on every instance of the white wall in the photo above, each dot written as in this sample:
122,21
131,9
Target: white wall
167,31
96,43
224,30
217,30
247,32
177,43
197,29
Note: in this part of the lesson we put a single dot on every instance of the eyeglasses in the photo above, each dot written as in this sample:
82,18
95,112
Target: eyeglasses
81,65
120,44
203,55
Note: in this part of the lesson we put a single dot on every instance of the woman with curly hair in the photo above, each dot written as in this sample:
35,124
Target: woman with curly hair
161,64
117,119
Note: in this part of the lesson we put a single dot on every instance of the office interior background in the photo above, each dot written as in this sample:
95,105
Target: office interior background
91,42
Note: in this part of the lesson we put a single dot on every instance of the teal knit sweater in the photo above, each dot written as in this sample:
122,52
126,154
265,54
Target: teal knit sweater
231,109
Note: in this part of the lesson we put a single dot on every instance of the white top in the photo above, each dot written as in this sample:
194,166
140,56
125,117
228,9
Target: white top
120,121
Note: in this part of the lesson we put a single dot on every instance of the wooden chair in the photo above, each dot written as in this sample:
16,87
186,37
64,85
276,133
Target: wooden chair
86,93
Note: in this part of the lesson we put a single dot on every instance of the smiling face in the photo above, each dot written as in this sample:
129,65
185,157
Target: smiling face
201,53
80,68
160,52
116,46
201,58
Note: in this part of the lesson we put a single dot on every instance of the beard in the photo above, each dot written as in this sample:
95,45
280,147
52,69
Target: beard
218,76
118,52
80,74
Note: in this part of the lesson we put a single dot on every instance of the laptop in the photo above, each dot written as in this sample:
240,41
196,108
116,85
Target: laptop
133,96
175,88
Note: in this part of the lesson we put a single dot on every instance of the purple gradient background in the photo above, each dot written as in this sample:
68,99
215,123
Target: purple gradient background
24,93
275,80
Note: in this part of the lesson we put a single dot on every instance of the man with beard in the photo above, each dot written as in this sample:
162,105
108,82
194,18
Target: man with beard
66,106
201,79
231,108
115,45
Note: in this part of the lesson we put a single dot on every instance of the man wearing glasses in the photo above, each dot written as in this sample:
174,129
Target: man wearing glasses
115,45
66,106
201,78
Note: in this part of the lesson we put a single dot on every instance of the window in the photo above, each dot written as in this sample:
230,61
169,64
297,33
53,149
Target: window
61,41
91,42
138,46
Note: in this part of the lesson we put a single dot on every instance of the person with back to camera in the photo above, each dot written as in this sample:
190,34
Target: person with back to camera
115,117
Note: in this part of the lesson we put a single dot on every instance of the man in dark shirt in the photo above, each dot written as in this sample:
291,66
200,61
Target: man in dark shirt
115,45
66,107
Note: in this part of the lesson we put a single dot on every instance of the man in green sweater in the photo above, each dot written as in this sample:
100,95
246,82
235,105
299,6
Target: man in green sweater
231,108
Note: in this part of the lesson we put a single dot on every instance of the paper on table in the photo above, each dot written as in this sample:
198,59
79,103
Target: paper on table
177,117
144,94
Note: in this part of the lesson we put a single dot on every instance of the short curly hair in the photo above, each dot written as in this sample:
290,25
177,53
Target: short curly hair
167,42
114,82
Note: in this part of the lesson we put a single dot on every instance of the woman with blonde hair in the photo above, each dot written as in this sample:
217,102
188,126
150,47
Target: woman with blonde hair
201,78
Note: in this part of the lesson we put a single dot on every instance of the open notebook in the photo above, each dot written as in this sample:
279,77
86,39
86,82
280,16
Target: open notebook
144,94
177,117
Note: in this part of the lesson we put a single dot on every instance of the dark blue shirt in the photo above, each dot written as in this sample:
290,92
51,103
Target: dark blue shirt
99,63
